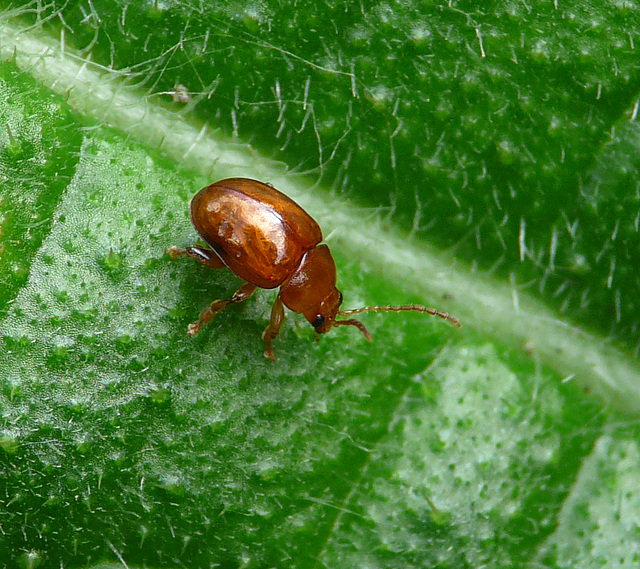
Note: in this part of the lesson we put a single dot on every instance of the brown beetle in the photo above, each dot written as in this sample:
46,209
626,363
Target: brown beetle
269,241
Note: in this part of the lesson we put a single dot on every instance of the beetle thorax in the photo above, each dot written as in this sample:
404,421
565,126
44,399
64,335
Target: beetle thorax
311,290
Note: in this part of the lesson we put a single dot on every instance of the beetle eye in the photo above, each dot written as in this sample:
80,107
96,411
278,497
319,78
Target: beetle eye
318,321
340,298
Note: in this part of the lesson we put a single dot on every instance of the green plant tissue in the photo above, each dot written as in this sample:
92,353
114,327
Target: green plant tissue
482,158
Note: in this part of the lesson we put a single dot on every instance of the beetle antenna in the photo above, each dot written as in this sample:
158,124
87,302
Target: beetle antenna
353,322
405,308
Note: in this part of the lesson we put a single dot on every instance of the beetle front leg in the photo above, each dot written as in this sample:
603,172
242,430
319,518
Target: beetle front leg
277,318
244,292
206,257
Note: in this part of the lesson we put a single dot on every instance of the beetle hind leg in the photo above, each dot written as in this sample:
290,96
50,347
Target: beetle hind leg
244,292
206,257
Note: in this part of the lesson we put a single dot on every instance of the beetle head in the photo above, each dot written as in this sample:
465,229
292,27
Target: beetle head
323,316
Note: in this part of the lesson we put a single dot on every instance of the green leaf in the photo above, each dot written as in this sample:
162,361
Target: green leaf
481,159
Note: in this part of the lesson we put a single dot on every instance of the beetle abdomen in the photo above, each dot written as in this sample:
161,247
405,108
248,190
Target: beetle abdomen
259,233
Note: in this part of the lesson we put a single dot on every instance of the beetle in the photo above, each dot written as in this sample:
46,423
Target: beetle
269,241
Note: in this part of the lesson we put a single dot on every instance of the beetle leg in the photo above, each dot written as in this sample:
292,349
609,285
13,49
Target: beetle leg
207,257
244,292
277,318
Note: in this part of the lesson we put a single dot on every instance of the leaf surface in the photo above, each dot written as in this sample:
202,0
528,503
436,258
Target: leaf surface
482,160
